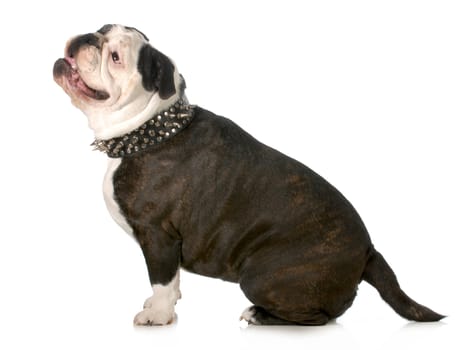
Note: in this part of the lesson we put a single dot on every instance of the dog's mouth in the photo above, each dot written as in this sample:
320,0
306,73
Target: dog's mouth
67,68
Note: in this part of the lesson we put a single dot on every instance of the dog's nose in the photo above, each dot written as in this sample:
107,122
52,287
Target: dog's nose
83,40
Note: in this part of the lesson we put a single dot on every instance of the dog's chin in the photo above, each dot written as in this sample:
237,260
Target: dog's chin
67,76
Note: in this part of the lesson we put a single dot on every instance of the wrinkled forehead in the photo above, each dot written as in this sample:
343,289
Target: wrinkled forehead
115,30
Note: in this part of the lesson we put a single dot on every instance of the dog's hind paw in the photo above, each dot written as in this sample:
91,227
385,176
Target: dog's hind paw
249,315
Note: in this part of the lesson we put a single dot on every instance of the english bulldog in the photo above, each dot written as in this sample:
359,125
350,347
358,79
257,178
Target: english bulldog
199,193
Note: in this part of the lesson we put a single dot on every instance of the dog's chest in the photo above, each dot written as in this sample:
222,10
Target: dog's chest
108,189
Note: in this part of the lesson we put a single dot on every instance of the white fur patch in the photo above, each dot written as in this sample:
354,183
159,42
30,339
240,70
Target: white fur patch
108,189
133,114
159,308
248,316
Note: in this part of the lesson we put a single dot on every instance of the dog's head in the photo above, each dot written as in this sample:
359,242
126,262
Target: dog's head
117,78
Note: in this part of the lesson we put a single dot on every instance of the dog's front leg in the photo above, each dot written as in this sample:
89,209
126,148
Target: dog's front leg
162,255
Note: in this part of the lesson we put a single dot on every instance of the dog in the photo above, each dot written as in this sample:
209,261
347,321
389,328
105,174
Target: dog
197,192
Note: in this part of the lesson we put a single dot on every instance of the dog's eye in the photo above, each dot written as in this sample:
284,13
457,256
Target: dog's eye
115,57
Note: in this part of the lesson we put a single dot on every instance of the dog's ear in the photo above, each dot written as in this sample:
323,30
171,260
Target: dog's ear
157,71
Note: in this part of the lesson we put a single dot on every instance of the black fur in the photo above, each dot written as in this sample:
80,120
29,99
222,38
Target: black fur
86,39
219,203
138,31
106,29
380,275
263,317
157,71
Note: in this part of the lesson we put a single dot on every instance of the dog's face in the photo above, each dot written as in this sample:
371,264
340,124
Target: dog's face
113,75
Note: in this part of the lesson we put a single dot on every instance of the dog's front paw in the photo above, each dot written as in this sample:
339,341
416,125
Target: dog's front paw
154,317
149,302
159,308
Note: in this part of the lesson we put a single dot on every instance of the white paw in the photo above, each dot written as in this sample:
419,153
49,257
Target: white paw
249,315
149,302
155,317
159,308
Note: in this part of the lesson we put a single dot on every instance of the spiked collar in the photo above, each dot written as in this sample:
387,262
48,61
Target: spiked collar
162,127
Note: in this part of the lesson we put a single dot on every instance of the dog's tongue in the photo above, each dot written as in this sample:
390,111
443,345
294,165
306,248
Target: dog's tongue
80,84
71,62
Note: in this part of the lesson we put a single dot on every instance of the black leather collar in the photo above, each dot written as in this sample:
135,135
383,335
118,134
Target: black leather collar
163,126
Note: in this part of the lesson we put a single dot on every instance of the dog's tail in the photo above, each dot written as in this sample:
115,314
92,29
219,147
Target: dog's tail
380,275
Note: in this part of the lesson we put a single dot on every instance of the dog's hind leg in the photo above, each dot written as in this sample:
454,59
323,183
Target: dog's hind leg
257,315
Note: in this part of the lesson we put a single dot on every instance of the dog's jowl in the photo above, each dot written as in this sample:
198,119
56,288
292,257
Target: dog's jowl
199,193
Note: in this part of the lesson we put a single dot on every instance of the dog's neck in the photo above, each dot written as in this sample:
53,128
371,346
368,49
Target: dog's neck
132,108
163,126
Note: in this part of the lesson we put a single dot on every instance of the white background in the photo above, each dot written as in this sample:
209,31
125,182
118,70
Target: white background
370,94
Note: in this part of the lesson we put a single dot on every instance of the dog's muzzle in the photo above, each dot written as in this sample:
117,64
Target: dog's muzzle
66,70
